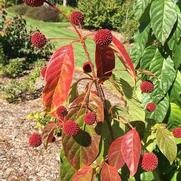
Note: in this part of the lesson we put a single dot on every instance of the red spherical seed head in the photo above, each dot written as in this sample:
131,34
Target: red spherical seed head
90,118
71,128
35,140
34,3
147,86
61,112
149,162
151,107
87,67
103,37
77,18
176,132
38,40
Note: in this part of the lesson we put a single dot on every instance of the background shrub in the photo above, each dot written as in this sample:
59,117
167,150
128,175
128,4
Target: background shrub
16,42
14,69
111,14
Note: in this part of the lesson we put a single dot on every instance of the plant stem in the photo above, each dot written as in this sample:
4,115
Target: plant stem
82,39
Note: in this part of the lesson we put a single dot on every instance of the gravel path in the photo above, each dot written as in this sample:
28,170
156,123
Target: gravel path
18,161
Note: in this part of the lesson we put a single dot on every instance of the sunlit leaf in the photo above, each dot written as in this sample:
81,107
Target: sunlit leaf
58,77
118,47
131,150
85,173
166,143
115,158
109,173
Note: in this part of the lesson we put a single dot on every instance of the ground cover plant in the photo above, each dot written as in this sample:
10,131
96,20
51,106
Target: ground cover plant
135,139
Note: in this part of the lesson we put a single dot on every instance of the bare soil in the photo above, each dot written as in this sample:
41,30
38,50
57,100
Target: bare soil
18,161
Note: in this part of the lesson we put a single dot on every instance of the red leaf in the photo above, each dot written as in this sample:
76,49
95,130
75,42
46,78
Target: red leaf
109,173
115,157
131,150
58,77
43,71
124,56
83,174
48,133
105,61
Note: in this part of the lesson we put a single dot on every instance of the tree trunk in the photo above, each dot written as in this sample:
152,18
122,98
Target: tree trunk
64,2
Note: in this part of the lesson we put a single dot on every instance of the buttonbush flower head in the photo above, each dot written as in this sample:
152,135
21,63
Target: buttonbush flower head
90,118
176,132
151,107
103,37
147,87
149,162
71,128
35,140
77,18
38,39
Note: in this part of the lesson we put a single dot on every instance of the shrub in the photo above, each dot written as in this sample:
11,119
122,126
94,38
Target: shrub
20,90
14,69
3,59
16,41
116,15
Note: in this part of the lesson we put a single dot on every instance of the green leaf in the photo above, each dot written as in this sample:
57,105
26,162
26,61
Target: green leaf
147,176
175,95
177,33
164,75
168,74
177,55
161,110
147,57
163,17
166,143
174,119
64,166
140,7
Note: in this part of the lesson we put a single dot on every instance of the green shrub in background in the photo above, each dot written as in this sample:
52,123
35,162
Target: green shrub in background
3,59
111,14
14,69
16,42
24,89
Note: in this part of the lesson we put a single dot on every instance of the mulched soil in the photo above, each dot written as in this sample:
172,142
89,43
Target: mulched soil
18,161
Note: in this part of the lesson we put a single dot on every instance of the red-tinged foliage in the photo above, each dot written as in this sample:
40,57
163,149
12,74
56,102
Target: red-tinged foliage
85,173
48,133
115,157
118,47
109,173
105,62
131,150
83,149
61,112
43,71
95,104
58,77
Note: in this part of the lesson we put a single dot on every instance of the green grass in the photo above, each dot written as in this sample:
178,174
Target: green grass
61,30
